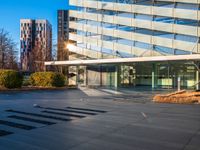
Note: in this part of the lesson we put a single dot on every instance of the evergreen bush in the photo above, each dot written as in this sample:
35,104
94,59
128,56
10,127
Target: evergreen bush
10,79
47,79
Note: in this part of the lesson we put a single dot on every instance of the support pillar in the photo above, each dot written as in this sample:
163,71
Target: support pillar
77,75
86,74
197,80
67,75
154,76
101,76
117,76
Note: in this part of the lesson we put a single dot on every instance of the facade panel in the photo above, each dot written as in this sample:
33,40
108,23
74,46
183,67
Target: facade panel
137,28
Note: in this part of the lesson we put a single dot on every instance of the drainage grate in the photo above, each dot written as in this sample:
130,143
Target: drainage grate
4,133
39,115
51,113
63,114
31,120
93,110
16,125
73,111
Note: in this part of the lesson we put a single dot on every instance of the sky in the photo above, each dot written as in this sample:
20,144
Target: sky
11,11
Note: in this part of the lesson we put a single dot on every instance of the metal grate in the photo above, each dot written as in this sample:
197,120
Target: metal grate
73,111
70,114
39,115
16,125
31,120
4,133
86,109
63,114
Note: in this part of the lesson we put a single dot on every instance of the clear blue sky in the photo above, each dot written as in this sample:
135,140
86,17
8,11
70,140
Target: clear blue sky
11,11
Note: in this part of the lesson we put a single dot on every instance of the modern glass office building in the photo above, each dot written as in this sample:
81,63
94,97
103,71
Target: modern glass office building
115,29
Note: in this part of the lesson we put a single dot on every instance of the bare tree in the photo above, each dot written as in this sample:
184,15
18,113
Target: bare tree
38,58
8,51
54,57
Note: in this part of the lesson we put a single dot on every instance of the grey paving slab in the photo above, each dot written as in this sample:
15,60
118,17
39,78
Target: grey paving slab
194,142
155,133
176,124
132,121
8,144
129,142
48,142
89,130
190,147
100,144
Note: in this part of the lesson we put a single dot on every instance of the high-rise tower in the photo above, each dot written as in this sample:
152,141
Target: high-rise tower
63,34
36,44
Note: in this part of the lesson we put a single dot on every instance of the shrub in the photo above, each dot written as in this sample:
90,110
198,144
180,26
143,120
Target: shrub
47,79
10,79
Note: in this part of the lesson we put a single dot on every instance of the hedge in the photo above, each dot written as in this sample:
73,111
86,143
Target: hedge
47,79
10,79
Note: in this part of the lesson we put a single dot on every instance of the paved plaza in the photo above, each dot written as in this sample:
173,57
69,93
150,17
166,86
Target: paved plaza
96,119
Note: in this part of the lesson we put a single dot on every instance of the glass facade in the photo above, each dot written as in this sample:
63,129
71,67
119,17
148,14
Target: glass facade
104,29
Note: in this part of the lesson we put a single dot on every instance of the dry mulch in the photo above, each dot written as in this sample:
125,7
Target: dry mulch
180,97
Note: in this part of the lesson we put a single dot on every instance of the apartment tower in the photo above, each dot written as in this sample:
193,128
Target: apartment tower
63,34
35,44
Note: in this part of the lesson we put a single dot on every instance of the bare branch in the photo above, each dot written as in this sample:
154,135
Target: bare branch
8,51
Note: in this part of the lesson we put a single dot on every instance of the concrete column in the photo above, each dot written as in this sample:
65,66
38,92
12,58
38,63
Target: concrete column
116,76
77,75
67,75
197,80
101,76
86,72
154,76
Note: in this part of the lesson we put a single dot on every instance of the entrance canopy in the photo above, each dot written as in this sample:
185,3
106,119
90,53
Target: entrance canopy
192,57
